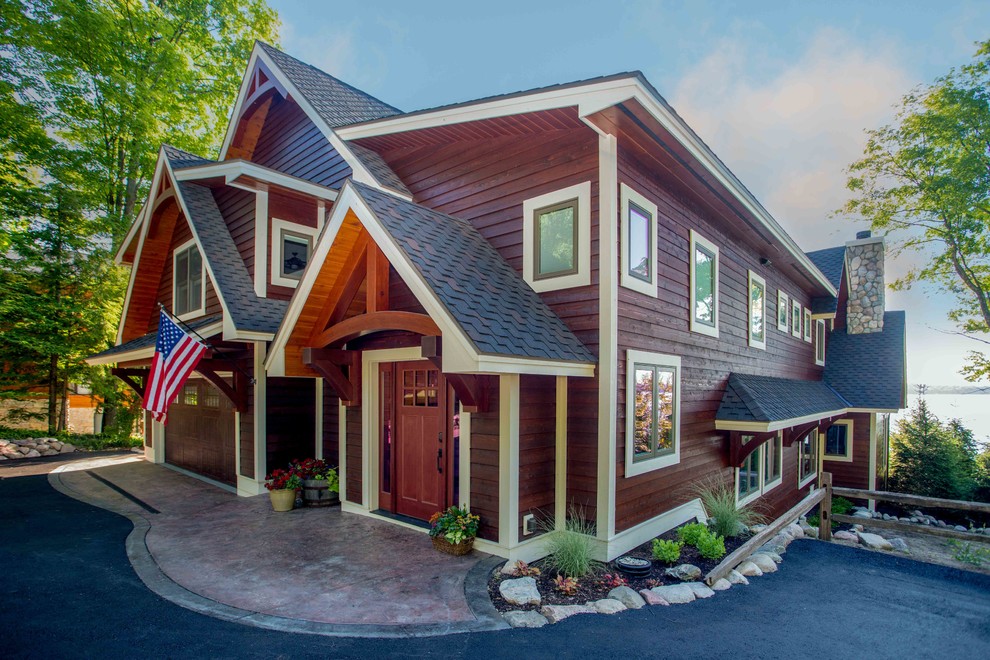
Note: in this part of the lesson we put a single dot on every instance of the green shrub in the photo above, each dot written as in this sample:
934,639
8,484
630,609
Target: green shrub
711,546
724,517
667,551
84,441
841,506
691,532
570,549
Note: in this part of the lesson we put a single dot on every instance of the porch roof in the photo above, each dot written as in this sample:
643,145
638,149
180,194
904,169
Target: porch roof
775,402
483,294
132,349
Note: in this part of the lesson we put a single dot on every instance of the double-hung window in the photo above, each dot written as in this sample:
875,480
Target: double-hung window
783,311
639,249
704,286
839,442
557,239
808,458
757,311
820,342
760,471
653,406
188,281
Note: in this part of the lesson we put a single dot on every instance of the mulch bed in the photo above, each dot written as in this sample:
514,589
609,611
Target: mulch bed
597,585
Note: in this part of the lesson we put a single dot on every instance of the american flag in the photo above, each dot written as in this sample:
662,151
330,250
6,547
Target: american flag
176,355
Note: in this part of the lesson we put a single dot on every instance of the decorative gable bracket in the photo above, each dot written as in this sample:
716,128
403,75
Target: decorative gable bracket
331,363
469,388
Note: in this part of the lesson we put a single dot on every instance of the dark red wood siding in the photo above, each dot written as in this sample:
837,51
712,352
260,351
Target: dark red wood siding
181,235
237,208
662,325
291,143
857,473
537,447
331,426
291,417
354,452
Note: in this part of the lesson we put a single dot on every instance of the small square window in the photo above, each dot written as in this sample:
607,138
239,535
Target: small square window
296,250
839,441
783,311
556,240
757,311
291,249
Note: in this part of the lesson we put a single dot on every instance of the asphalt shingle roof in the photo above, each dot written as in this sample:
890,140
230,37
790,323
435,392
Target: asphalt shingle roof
379,168
495,308
868,370
830,262
750,398
336,102
178,158
148,340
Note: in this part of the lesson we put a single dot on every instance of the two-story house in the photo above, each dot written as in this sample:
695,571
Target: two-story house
530,303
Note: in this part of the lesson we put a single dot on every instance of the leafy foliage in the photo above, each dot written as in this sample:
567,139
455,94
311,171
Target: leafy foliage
711,546
570,549
691,532
724,517
968,553
925,180
456,524
566,585
667,551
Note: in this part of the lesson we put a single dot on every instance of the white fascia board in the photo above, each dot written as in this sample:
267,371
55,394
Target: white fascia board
139,354
589,99
358,170
132,234
235,168
228,323
235,113
769,427
873,410
501,364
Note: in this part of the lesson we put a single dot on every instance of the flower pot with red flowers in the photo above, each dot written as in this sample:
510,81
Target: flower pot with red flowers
319,482
282,486
453,531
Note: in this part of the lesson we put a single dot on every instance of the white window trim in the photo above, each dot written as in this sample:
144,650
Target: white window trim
696,326
848,457
820,342
807,324
581,192
279,227
796,307
783,302
626,280
764,485
634,468
193,313
814,474
756,343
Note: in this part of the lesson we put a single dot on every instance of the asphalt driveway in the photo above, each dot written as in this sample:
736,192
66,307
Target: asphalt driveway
67,590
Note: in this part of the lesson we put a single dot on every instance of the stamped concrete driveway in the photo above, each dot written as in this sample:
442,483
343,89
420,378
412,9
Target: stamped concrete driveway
68,590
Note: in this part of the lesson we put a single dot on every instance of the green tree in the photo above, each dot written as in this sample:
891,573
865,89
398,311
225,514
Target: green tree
932,459
925,181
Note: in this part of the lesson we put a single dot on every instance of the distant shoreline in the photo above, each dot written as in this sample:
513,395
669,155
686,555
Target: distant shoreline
951,389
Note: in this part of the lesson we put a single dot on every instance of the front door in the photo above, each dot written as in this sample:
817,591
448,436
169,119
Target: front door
417,443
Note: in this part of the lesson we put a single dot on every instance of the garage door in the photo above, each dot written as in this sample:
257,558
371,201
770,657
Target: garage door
199,436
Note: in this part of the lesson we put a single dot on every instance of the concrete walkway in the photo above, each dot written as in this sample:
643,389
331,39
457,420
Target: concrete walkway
309,570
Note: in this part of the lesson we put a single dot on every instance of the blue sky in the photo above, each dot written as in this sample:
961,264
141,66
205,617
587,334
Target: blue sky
782,91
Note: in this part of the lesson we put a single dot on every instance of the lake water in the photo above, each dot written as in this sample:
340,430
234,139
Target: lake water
972,409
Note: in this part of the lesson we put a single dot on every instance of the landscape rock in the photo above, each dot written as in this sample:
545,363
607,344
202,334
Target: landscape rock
525,619
651,598
510,568
795,530
628,597
766,564
857,528
773,555
521,591
874,541
675,594
735,577
684,572
49,452
756,529
809,531
845,536
56,445
749,569
700,589
607,606
722,584
862,513
960,528
33,453
23,450
557,613
66,449
899,545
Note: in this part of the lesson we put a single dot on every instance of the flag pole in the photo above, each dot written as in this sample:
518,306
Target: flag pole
205,341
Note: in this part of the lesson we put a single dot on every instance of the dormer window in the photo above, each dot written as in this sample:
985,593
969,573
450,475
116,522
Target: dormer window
188,282
291,250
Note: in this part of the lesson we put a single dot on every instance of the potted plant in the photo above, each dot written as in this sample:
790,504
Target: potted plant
453,531
282,486
319,482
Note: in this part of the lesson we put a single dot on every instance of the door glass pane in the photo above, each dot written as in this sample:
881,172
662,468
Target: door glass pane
190,395
704,286
640,243
665,410
643,409
556,236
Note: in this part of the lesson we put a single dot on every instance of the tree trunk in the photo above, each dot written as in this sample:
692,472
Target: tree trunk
52,393
63,417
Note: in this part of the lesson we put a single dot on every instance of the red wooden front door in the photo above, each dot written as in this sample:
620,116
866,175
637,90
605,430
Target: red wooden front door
418,442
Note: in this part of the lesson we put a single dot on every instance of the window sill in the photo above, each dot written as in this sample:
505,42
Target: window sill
837,458
196,313
702,329
807,480
642,467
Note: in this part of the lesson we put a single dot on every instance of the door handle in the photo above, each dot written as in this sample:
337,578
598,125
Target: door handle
440,461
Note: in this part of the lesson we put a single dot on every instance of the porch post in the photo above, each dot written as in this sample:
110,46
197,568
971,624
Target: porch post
508,461
560,456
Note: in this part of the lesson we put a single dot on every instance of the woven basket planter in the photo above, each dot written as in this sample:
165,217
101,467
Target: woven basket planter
456,549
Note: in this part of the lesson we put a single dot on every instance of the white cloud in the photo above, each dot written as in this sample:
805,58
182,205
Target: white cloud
789,129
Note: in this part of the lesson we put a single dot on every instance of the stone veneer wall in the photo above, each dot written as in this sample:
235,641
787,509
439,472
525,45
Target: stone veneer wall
864,264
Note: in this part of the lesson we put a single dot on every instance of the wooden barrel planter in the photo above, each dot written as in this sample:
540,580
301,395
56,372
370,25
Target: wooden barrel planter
316,492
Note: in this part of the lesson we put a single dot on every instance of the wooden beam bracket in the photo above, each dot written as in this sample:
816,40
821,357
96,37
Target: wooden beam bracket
739,450
470,388
237,393
330,363
136,379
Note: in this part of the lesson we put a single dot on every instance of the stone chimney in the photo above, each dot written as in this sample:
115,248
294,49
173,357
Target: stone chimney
864,266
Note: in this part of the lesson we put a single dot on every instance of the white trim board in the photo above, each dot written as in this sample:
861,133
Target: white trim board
235,168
